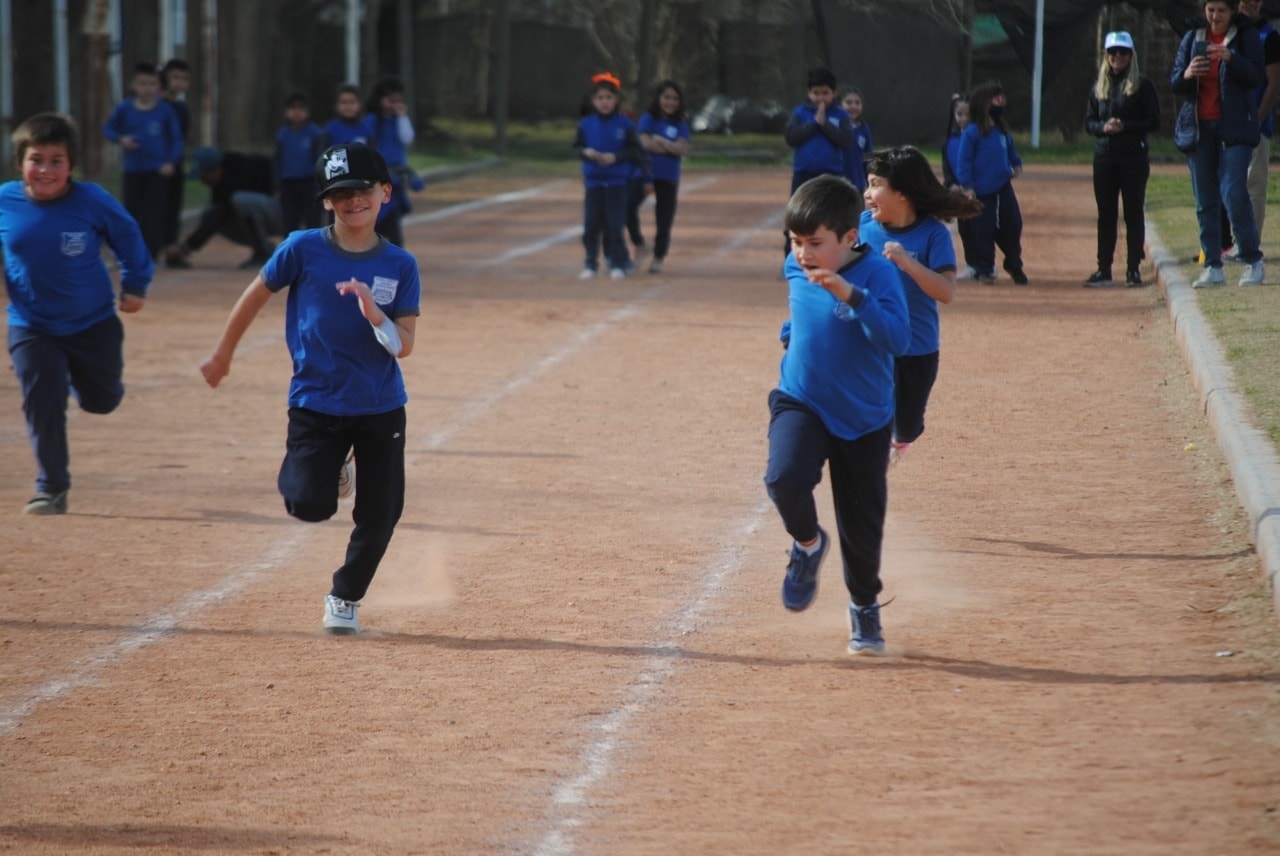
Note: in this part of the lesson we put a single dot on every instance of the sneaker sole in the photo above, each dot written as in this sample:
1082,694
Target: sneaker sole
342,631
864,650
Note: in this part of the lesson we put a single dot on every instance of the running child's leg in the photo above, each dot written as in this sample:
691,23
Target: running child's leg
379,443
41,368
861,496
914,377
798,445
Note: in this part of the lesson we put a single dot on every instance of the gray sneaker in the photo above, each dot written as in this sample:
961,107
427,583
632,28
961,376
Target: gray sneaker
1253,274
47,503
1210,277
340,617
865,637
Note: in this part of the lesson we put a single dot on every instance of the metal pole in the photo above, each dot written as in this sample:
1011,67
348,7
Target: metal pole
61,59
1037,76
6,82
164,32
353,41
209,50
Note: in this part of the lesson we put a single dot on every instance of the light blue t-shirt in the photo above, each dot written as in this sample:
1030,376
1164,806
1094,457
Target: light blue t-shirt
928,242
338,366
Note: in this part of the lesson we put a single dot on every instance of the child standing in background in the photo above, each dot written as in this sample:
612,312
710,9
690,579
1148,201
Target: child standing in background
834,399
664,132
175,81
352,313
608,145
298,145
391,133
957,119
820,133
986,166
147,129
860,149
905,207
64,334
349,124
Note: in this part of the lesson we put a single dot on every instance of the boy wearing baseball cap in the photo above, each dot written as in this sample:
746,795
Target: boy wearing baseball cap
352,308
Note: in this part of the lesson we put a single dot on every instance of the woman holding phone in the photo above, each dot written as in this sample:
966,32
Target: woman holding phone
1218,64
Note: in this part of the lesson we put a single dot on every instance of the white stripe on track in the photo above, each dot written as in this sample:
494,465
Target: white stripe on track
571,800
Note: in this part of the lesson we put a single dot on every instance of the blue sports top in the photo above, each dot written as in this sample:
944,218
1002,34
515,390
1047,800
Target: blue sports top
929,242
612,134
53,268
986,161
855,156
665,167
818,148
157,131
338,366
297,150
339,131
839,361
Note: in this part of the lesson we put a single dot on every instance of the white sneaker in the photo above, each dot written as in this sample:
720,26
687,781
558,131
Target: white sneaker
617,273
655,266
967,273
347,477
587,273
1253,274
340,617
1210,277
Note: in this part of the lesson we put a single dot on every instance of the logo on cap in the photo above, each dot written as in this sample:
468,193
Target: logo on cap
335,164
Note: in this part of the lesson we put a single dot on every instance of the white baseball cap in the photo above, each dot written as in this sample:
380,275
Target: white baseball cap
1119,39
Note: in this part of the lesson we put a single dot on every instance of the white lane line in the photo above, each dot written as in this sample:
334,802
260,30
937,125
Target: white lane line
479,204
155,629
571,800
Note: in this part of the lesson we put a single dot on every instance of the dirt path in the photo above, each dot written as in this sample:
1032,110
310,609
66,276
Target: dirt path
575,642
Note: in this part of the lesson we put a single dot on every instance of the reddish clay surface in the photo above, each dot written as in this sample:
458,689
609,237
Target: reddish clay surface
575,643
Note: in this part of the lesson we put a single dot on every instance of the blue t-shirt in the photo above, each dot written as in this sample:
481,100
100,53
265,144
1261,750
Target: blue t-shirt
665,167
839,361
338,366
339,131
297,150
928,242
157,131
613,134
53,269
855,157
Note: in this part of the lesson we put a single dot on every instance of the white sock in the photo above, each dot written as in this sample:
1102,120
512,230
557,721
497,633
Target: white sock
812,548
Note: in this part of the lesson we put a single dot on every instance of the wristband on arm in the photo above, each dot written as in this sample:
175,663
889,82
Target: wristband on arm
387,335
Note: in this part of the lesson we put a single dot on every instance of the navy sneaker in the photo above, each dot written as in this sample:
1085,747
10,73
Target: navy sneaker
801,582
866,636
47,503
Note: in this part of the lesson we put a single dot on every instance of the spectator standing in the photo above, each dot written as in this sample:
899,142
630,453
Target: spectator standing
299,142
147,129
1123,109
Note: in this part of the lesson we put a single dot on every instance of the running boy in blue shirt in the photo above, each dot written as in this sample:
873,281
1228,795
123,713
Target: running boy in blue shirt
352,310
834,402
64,333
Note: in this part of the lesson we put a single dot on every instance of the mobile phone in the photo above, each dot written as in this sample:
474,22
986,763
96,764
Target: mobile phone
1200,48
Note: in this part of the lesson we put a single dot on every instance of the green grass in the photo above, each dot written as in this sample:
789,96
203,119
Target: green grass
1245,320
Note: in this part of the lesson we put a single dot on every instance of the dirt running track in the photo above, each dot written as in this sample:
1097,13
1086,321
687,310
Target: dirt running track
575,643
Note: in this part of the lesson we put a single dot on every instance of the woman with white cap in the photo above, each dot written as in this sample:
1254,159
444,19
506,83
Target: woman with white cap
1123,109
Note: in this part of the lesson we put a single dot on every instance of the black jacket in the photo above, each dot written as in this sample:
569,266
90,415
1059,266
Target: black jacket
1140,113
1236,82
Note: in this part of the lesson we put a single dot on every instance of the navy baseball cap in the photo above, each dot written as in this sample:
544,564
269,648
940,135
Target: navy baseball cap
205,159
350,165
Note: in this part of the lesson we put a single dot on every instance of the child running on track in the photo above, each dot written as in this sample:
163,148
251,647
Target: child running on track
352,311
834,400
905,204
64,333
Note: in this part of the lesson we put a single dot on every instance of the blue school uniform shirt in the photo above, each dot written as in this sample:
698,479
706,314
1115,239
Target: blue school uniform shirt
986,161
157,131
839,361
817,153
340,131
297,150
929,242
338,366
614,134
53,268
855,157
664,167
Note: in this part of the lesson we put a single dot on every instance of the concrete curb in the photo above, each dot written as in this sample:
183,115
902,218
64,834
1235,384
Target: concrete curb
1252,459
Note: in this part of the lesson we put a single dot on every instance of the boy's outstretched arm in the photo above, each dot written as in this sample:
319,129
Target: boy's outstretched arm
246,309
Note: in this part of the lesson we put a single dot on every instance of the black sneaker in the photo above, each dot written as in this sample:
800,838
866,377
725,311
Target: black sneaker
801,582
1133,279
47,503
1099,279
1018,277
